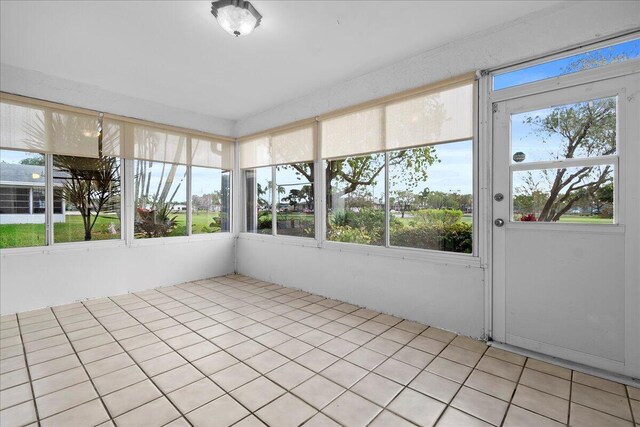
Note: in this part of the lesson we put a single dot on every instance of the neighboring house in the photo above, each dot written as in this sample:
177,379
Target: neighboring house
22,195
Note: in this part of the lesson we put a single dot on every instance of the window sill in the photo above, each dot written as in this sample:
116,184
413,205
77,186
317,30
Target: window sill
307,242
111,244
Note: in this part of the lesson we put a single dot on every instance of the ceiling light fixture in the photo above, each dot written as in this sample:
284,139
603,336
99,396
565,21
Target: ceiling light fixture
236,17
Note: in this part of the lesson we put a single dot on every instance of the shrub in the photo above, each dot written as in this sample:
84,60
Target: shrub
348,234
437,236
445,216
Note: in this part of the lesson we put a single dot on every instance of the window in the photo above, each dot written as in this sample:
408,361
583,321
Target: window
295,193
356,200
180,178
160,199
583,61
210,200
22,207
90,193
564,161
279,182
166,162
401,174
431,197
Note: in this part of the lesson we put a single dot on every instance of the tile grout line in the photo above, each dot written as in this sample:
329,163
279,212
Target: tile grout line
26,363
85,371
513,394
136,364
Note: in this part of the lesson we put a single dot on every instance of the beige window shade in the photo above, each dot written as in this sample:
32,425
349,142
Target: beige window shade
112,138
45,130
291,146
211,153
441,115
155,144
359,132
430,119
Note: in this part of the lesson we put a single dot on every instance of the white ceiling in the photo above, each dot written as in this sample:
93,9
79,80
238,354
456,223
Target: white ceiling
174,53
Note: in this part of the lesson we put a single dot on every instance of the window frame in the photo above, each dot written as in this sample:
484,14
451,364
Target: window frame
127,204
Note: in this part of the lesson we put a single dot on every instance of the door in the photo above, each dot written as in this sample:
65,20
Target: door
565,233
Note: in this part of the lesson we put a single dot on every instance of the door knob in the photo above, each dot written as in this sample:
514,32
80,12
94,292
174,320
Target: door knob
499,222
498,197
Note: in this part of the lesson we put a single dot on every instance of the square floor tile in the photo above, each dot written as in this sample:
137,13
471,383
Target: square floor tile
435,386
266,361
414,357
176,378
365,358
541,403
455,418
587,417
344,373
157,412
480,405
316,360
397,371
518,417
491,385
195,395
378,389
352,410
131,397
89,414
216,362
600,400
18,415
286,411
62,400
257,393
290,375
318,391
234,376
417,407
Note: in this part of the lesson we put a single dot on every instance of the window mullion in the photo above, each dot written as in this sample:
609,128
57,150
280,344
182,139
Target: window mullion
49,199
387,214
274,194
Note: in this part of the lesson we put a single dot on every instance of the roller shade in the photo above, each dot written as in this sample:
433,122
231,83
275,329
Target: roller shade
291,146
211,153
45,130
430,119
155,144
359,132
434,117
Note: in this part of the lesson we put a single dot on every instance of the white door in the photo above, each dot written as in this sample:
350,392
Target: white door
565,235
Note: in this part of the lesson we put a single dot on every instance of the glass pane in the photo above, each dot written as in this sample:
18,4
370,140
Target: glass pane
86,198
431,197
22,205
210,200
579,130
578,194
572,64
258,189
160,199
356,199
295,216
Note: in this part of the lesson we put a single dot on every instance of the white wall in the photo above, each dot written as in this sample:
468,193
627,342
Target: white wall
449,296
38,85
51,276
567,25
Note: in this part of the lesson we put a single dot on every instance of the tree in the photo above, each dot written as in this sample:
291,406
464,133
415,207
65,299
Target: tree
89,183
587,129
355,172
33,160
403,200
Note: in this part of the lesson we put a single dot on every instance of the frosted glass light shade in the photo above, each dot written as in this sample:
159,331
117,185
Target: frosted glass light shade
236,17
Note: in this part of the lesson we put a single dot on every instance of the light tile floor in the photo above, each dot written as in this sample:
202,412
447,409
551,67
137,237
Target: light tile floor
237,351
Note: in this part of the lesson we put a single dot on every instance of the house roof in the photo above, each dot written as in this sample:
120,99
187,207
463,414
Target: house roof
17,174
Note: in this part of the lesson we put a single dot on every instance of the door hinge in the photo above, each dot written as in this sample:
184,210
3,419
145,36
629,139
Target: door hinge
495,107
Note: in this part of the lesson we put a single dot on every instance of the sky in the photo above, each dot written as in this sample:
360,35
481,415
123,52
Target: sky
558,67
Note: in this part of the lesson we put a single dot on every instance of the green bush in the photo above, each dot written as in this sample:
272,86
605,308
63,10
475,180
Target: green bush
347,234
437,236
444,216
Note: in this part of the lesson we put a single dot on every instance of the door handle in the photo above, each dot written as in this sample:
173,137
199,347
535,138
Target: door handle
499,222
